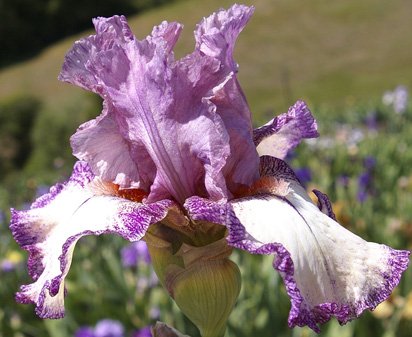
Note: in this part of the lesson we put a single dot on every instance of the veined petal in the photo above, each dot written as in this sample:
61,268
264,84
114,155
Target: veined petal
99,143
215,37
185,125
286,131
328,271
56,221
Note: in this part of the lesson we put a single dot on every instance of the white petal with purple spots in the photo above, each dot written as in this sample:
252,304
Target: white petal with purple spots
56,221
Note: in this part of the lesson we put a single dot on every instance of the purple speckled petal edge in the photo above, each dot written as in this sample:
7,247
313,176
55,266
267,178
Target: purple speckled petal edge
51,228
324,204
81,176
301,313
286,131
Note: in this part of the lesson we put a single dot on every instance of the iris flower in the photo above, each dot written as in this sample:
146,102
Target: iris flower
173,160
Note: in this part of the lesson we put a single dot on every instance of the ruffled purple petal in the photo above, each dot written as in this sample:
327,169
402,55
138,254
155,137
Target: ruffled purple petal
179,128
99,143
56,221
216,36
286,131
328,271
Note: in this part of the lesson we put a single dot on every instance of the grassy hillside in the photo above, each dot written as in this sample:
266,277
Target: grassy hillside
329,53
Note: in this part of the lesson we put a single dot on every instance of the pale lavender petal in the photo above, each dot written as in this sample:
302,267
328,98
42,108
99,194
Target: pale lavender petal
286,131
99,143
328,271
181,128
57,220
216,36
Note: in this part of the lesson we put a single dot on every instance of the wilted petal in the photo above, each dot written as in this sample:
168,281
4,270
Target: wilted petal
328,271
286,131
51,228
185,124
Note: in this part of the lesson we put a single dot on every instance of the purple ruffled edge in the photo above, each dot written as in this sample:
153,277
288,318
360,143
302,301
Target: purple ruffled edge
145,215
305,125
23,235
222,213
312,317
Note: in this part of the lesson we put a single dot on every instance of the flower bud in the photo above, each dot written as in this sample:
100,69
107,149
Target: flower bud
201,279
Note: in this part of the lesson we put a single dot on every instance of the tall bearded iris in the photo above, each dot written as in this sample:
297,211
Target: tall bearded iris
173,160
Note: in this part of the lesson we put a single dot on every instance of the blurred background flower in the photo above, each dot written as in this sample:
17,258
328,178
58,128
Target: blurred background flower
135,253
109,328
397,99
144,332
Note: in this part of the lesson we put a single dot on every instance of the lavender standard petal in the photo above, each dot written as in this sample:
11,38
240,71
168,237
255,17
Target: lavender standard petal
216,36
183,128
100,143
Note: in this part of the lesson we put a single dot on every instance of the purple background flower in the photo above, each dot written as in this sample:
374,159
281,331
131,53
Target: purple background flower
109,328
85,332
7,266
144,332
135,253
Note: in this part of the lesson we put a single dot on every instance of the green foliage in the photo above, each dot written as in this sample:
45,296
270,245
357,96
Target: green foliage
16,123
52,152
34,144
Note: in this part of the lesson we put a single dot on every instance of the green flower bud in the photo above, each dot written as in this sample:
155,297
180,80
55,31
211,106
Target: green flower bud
198,275
206,293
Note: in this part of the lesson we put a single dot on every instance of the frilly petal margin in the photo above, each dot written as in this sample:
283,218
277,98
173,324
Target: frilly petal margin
94,142
57,220
216,36
286,131
185,124
327,270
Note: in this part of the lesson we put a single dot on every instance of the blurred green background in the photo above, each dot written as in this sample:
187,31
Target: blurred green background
350,61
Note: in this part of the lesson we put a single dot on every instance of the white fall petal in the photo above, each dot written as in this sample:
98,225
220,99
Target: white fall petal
57,220
328,271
